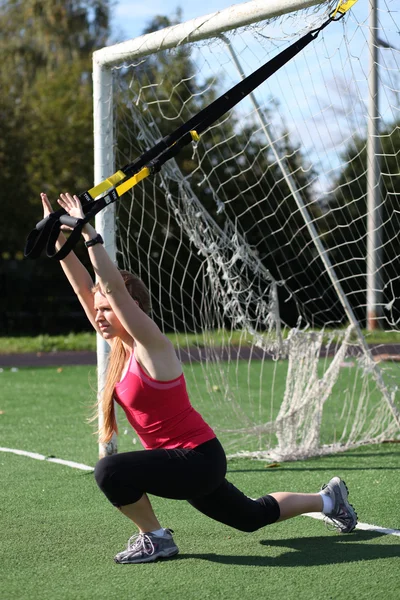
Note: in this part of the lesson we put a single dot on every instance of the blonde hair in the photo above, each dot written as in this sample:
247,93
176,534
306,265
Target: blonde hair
117,359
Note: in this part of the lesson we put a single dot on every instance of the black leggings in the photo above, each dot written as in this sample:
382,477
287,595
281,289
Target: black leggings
196,475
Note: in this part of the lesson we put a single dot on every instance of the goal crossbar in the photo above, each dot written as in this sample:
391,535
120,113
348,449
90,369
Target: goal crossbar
199,28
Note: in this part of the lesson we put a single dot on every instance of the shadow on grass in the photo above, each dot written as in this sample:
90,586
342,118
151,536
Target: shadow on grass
338,459
311,551
353,454
308,468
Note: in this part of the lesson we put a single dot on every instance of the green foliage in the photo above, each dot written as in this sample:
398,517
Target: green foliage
346,218
46,144
211,339
60,145
47,343
46,125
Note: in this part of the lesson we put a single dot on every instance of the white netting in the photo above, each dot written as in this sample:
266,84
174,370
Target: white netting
253,241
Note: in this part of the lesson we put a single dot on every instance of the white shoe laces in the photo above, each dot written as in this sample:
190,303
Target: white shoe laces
141,542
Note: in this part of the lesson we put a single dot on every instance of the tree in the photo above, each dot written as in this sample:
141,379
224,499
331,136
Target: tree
45,142
345,223
46,70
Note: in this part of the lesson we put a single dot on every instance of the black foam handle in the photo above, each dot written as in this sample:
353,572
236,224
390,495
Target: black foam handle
68,220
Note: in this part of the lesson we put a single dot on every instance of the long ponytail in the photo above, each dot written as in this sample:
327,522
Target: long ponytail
116,363
117,359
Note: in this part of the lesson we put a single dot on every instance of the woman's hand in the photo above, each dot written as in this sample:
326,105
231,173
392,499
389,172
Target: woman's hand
47,208
72,205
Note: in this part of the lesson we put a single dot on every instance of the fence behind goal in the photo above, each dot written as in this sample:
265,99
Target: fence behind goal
263,242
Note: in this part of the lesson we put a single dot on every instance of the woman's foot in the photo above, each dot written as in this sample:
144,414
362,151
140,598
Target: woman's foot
342,516
148,547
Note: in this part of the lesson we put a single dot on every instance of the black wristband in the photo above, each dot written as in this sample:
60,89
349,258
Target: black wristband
96,240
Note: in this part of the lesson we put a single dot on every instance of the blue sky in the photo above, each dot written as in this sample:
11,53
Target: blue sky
130,18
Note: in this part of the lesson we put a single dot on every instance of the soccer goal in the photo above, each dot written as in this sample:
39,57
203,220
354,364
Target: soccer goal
270,245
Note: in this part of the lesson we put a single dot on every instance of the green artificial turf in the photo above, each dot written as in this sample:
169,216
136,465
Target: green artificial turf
59,533
220,337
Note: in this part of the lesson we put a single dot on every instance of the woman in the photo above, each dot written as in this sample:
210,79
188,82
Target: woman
182,459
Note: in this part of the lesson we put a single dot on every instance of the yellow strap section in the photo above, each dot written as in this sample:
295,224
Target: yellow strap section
106,184
195,135
132,181
129,183
343,6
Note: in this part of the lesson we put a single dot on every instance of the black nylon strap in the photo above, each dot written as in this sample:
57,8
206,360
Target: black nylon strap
211,113
38,237
47,230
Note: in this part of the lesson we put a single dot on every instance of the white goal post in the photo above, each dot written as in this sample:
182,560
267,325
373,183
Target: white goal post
293,424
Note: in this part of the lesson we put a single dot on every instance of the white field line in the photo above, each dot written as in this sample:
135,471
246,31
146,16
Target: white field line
364,526
75,465
59,461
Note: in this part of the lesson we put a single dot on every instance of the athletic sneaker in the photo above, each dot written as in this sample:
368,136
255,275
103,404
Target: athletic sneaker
147,547
343,516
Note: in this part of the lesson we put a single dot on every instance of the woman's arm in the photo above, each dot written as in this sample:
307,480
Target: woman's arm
141,327
76,273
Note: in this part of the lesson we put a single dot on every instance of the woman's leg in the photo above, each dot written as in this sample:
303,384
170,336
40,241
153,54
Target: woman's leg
179,474
228,505
293,505
290,505
125,478
142,514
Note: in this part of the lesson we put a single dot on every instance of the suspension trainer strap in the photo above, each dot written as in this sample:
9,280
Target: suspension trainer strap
47,230
170,145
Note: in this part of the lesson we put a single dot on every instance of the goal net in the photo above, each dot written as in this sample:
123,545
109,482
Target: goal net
269,249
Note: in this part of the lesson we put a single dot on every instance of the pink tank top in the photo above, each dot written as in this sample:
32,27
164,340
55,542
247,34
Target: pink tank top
160,411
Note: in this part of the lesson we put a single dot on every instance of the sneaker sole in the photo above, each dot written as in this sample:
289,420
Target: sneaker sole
163,554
